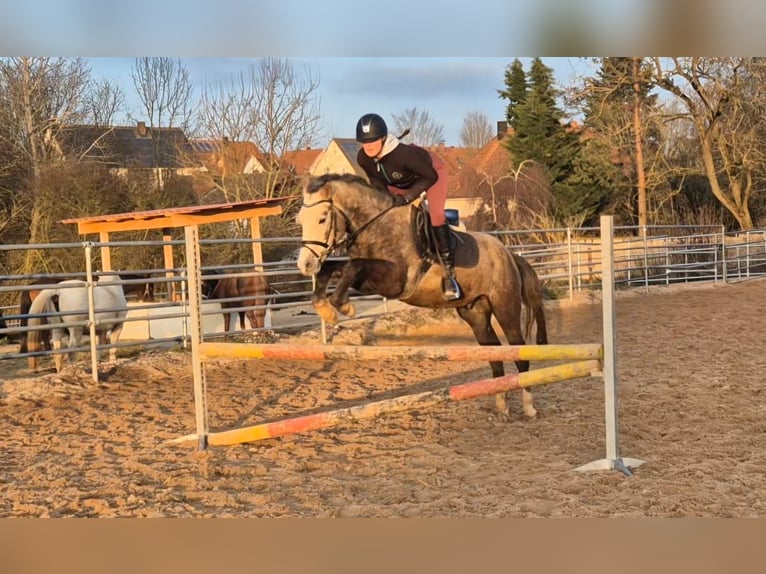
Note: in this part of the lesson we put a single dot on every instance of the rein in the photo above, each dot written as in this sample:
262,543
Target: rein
354,234
348,240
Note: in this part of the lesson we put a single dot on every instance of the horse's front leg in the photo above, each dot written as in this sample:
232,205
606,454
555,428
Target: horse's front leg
114,336
322,305
350,276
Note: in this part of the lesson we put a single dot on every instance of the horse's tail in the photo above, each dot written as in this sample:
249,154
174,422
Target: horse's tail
532,297
43,303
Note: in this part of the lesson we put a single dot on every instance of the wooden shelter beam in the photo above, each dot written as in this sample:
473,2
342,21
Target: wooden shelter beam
170,220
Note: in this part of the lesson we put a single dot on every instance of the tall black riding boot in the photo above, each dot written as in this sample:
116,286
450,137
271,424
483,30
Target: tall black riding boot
450,286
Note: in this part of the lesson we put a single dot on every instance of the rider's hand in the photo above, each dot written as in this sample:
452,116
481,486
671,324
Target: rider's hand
400,199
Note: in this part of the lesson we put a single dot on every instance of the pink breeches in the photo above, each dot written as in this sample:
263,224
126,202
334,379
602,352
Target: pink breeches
436,194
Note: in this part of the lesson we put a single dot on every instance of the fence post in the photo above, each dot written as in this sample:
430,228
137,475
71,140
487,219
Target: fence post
193,264
646,259
723,253
91,312
613,461
184,295
571,266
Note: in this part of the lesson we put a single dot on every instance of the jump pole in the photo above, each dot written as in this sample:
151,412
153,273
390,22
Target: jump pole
318,352
612,460
453,393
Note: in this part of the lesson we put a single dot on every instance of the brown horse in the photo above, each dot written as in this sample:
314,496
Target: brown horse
387,257
243,294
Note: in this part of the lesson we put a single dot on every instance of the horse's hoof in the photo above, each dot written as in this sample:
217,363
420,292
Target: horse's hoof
503,416
326,312
531,412
347,309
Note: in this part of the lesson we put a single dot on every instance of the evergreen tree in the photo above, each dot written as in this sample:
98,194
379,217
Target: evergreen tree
543,137
515,90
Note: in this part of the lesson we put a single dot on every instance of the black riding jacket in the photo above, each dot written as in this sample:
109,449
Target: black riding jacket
406,167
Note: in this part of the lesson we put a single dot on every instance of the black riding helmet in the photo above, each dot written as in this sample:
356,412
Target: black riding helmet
370,128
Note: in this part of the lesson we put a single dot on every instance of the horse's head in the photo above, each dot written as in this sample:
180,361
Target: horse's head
144,292
322,225
210,283
335,205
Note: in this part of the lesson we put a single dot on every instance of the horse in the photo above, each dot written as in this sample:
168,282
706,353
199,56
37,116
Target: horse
387,256
144,292
26,297
111,308
237,292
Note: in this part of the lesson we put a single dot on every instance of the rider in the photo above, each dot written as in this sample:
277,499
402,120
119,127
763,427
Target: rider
405,171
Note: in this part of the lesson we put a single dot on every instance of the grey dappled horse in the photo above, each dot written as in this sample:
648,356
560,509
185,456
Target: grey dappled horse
385,258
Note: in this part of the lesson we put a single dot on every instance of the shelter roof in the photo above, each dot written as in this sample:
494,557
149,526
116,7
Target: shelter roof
178,216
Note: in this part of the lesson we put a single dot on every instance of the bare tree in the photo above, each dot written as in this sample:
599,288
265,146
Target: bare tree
476,131
39,95
165,91
424,131
103,102
723,99
270,104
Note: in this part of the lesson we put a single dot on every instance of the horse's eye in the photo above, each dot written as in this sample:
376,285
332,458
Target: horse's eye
323,219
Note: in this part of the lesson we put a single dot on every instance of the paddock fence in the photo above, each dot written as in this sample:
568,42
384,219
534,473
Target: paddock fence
568,261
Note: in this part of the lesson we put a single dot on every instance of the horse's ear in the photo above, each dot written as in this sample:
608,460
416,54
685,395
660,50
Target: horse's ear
305,182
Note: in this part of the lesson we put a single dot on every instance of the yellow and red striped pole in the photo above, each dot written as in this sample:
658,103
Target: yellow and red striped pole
211,350
397,404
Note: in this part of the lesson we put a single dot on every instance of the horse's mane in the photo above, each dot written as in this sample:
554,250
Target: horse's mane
318,182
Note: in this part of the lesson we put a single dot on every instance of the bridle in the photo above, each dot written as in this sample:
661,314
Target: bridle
329,244
330,234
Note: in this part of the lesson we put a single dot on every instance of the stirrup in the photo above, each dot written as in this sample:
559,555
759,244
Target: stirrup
451,289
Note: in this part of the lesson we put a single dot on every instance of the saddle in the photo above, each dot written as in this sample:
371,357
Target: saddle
463,245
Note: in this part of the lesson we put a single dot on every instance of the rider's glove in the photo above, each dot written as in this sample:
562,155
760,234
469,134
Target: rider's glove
400,199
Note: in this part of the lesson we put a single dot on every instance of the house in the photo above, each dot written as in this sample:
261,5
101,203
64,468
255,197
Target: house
222,158
302,161
212,161
338,157
471,168
121,148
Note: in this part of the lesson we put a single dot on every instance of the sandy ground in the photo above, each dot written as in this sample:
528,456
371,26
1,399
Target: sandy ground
691,404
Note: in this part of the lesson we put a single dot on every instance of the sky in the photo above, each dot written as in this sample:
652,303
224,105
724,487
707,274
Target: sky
443,58
446,88
227,28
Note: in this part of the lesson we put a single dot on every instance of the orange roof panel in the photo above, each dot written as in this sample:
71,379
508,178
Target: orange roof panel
179,216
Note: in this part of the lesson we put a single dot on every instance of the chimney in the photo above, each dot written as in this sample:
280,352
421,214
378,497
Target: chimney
502,130
141,129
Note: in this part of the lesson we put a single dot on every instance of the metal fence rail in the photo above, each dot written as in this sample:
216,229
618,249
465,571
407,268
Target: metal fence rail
568,260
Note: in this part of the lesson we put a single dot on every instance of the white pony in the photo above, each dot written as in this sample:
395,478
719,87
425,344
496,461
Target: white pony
111,309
